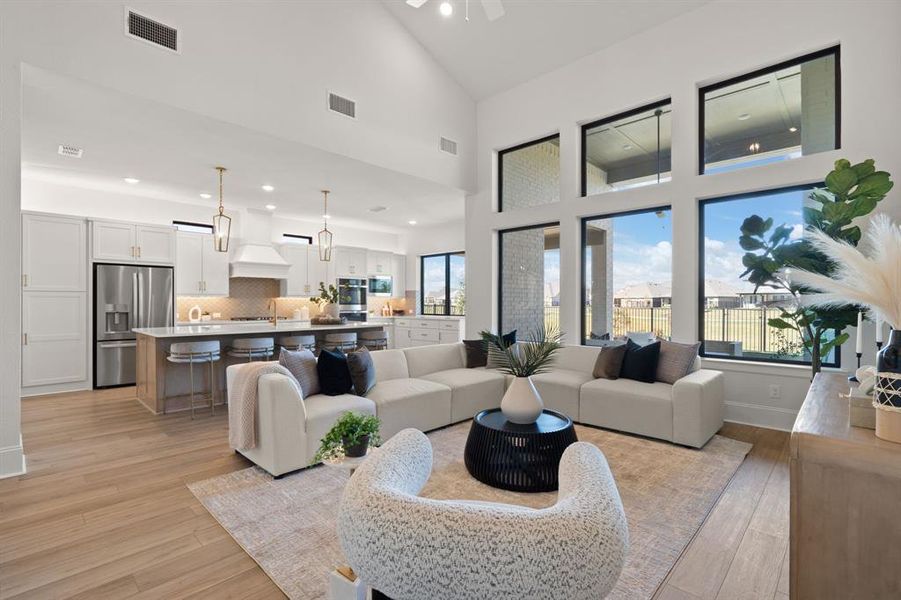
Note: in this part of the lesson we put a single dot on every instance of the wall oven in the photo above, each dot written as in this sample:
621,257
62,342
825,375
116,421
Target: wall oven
351,295
380,285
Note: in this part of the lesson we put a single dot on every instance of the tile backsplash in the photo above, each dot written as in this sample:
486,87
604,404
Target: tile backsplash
249,297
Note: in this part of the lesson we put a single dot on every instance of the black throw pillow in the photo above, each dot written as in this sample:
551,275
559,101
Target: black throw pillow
640,362
476,353
334,375
509,338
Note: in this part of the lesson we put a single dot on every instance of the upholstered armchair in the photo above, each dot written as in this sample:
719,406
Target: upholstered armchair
410,548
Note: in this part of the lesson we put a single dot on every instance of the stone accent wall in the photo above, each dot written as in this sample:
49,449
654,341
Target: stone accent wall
523,281
531,176
599,239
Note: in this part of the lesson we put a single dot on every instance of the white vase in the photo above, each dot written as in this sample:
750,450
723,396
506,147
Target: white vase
522,403
329,310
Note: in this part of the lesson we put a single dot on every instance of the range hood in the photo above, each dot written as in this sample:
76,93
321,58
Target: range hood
255,256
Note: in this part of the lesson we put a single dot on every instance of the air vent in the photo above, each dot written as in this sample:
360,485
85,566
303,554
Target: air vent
70,151
148,30
342,105
449,146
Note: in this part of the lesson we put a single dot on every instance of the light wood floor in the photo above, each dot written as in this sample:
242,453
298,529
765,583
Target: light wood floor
104,512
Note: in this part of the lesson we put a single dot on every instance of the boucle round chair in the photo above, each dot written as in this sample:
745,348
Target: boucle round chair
410,548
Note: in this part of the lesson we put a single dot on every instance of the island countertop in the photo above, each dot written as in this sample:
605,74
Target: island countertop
253,327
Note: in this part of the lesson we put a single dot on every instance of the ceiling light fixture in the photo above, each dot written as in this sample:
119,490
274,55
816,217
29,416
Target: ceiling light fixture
206,196
271,207
744,117
793,129
754,147
131,180
411,222
446,9
222,224
268,188
325,236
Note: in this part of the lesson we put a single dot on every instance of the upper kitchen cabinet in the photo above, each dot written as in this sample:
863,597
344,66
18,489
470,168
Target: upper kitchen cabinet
320,271
378,263
54,253
199,269
298,282
399,275
130,243
350,262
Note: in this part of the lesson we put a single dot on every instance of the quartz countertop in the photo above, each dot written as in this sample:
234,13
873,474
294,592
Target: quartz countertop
247,327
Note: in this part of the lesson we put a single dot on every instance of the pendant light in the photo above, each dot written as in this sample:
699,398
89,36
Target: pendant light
222,224
325,236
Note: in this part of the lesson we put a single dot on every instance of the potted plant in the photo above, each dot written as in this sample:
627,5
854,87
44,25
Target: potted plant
522,403
327,300
350,436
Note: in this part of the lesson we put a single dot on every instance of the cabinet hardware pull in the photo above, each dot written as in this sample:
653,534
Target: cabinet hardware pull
139,252
24,339
133,252
24,280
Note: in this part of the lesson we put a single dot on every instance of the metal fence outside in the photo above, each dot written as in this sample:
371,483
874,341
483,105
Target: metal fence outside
437,308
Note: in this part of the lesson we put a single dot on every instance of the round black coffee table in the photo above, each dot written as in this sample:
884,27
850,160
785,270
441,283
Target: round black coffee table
520,458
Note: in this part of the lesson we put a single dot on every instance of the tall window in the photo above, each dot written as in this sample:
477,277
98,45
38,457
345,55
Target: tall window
735,316
778,113
529,279
627,273
529,174
627,150
443,287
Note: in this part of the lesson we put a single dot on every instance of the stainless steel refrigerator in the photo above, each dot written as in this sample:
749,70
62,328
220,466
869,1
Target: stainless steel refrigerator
126,297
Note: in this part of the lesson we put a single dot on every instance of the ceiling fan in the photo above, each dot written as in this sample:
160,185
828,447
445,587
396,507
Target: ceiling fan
494,9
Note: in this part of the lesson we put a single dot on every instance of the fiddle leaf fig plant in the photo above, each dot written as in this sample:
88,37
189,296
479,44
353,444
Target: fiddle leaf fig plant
850,192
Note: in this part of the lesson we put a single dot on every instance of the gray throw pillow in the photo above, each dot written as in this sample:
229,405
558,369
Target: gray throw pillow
362,371
676,360
609,362
302,364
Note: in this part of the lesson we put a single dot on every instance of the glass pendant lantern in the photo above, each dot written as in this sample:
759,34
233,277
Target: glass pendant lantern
325,236
222,223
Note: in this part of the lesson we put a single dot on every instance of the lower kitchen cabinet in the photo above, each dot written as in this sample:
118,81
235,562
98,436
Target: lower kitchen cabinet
425,331
54,338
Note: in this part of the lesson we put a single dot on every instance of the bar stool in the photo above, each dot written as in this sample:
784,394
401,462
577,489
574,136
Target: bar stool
251,348
374,340
345,342
192,353
298,342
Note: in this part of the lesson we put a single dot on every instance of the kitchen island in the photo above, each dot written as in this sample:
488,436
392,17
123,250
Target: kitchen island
157,378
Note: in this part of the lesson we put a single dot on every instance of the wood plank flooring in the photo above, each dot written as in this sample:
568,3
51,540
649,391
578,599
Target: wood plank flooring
104,511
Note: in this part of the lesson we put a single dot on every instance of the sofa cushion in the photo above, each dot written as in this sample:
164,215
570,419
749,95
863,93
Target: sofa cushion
472,390
423,360
676,360
322,411
628,405
576,358
334,376
640,362
560,388
609,362
302,364
390,364
402,403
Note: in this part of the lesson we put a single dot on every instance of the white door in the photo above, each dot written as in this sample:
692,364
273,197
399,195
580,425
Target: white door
113,241
399,275
54,338
297,283
155,244
215,268
189,264
54,254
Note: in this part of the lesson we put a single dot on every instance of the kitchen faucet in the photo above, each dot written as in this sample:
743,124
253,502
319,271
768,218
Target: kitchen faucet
273,306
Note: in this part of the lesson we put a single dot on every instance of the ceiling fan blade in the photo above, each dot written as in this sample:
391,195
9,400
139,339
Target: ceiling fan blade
416,3
494,10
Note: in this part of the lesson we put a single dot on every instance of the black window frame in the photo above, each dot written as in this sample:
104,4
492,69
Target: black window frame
500,265
500,163
623,115
702,204
447,287
296,236
832,50
208,226
583,224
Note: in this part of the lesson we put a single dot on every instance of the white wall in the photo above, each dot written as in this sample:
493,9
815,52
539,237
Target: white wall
714,42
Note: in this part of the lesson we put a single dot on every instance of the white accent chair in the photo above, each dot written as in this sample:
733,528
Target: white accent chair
573,550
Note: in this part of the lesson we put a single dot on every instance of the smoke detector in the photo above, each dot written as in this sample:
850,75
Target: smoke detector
70,151
377,209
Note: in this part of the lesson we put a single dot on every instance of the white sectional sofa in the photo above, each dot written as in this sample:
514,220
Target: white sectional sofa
428,387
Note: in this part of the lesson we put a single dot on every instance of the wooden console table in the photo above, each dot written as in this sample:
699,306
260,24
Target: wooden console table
845,502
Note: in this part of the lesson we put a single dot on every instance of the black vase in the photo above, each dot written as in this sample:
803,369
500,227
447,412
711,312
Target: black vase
356,450
889,361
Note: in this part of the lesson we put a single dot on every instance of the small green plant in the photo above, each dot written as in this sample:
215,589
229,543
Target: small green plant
533,356
349,429
326,295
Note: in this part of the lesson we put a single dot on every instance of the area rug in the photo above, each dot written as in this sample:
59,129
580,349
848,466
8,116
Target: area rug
288,526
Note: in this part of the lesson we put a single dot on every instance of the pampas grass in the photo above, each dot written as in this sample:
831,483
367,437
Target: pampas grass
868,275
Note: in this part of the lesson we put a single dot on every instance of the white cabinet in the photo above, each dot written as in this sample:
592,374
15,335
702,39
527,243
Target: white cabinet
298,283
54,338
199,269
320,271
127,242
54,253
399,275
378,263
350,262
421,331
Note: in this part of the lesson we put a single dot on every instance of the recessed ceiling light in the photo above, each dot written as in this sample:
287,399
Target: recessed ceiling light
270,207
754,147
268,188
744,117
206,196
793,129
131,180
411,222
446,8
627,146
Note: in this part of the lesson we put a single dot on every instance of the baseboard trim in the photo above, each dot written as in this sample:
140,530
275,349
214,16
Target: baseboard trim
12,460
761,415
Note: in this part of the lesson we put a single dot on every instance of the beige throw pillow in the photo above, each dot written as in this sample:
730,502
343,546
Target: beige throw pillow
676,360
302,364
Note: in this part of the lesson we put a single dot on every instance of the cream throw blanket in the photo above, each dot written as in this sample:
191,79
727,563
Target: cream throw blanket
242,404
